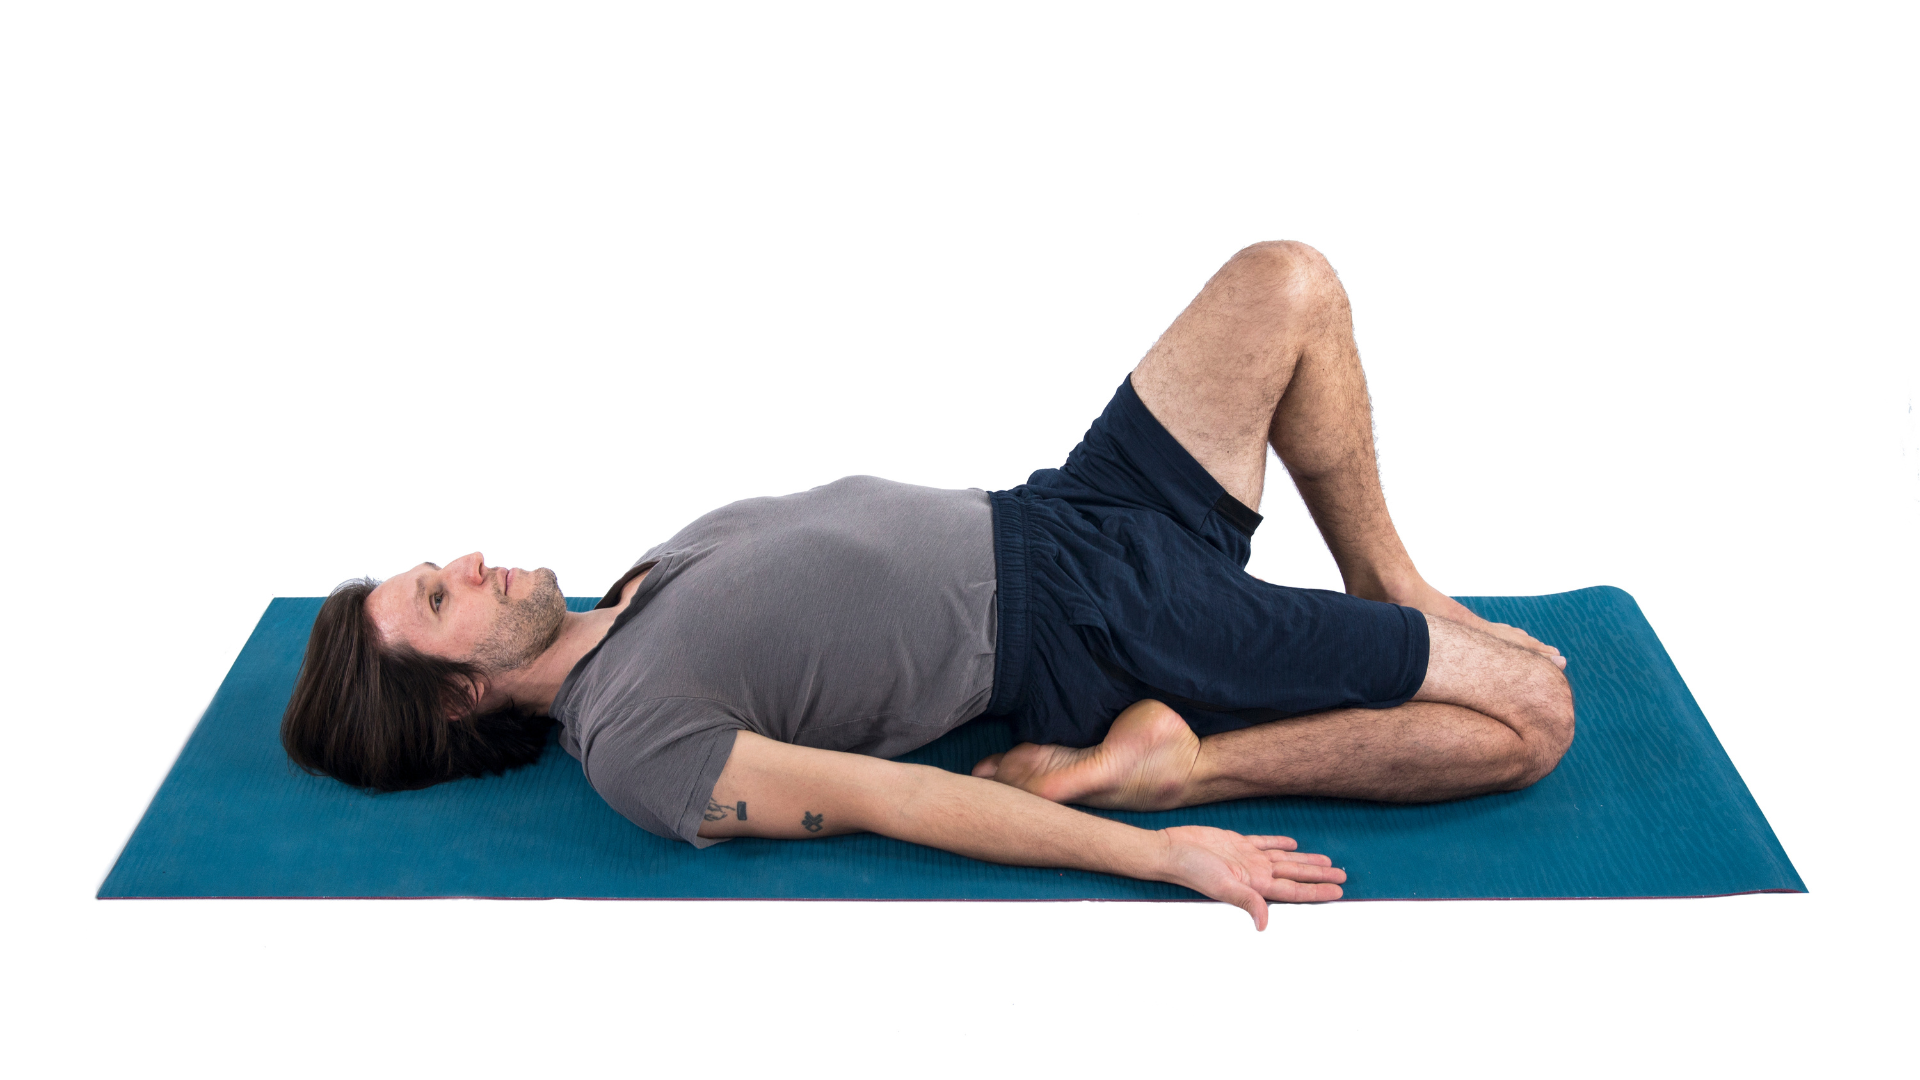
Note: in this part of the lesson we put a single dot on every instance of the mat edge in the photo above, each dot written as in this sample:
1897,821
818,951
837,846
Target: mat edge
977,899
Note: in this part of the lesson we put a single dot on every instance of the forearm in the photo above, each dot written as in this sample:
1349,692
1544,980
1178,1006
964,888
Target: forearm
996,823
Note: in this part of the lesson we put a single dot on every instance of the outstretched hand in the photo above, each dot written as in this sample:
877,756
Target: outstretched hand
1248,871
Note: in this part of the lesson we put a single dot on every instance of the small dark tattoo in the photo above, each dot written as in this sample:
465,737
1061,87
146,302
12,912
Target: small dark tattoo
811,821
716,812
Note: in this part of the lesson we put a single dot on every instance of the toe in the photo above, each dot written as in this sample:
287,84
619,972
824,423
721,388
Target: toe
988,766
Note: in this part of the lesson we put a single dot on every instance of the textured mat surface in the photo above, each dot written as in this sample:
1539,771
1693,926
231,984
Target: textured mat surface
1645,804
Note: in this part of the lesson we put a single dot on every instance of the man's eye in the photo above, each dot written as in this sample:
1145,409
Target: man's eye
436,601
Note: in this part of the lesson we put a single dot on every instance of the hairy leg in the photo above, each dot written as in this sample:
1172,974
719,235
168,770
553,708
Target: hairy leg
1489,717
1265,355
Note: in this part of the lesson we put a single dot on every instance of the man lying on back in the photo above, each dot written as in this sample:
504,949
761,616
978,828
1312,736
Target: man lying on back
752,675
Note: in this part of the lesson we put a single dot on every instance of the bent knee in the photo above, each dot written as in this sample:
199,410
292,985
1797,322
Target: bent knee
1287,266
1547,733
1282,254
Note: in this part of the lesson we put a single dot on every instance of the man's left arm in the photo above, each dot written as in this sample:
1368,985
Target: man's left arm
774,789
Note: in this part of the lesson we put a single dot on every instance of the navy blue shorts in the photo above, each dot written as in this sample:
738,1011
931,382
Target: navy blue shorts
1122,575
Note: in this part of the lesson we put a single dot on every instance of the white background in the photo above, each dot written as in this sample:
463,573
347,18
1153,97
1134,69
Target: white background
291,297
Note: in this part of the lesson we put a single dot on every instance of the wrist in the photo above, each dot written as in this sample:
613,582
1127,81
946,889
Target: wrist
1160,862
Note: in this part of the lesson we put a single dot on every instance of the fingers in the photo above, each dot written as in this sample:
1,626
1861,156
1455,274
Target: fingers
1288,870
1285,847
1254,903
1302,865
1293,892
1516,636
1297,877
1248,871
1240,871
1303,883
1251,902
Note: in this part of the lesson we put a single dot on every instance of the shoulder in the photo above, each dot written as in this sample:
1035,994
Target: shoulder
622,738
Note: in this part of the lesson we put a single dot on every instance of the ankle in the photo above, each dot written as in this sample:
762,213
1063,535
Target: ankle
1206,775
1214,778
1394,585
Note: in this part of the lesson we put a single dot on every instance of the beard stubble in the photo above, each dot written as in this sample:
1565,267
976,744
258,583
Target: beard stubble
525,629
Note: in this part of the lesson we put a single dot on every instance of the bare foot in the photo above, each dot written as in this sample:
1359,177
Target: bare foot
1425,597
1144,764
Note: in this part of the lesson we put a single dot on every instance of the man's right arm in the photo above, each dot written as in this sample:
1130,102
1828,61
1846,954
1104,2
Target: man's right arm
774,789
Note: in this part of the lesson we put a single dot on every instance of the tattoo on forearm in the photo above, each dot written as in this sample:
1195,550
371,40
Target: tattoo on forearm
811,821
716,812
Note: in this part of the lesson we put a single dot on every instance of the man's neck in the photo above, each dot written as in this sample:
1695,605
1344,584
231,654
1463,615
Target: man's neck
534,687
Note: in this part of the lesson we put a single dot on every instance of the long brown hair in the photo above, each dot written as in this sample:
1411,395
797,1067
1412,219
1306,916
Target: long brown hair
390,718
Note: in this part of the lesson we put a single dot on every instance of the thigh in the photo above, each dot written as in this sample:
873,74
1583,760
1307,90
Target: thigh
1215,377
1129,473
1131,606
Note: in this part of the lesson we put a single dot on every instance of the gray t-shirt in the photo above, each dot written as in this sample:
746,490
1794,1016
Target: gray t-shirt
858,616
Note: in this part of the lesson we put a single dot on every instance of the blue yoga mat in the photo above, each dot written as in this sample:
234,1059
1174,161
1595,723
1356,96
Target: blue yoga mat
1646,803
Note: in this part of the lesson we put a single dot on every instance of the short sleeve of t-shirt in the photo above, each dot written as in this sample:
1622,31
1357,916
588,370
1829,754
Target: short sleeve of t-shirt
657,765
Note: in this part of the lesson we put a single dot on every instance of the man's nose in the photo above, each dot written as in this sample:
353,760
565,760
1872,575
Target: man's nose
472,568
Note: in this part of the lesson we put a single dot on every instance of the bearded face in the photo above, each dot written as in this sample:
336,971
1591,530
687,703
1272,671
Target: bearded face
525,627
500,619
